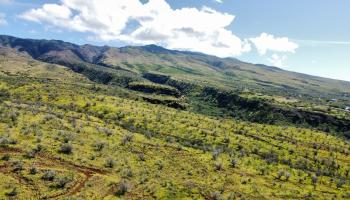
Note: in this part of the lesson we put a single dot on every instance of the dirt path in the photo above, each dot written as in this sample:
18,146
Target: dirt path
54,162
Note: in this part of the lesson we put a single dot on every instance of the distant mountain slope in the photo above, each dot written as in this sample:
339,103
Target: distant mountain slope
15,63
195,67
224,87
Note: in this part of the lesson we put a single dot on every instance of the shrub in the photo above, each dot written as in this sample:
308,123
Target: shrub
280,174
38,148
160,165
62,181
215,196
66,149
141,157
17,166
340,183
127,138
122,189
216,154
48,117
218,166
66,137
105,131
4,93
99,146
284,174
233,163
5,141
127,173
263,170
30,154
5,157
49,175
33,170
12,193
270,157
287,175
110,163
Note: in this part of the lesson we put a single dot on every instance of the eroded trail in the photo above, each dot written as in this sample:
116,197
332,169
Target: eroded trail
47,162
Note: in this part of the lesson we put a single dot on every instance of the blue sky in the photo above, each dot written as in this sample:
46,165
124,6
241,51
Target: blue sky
310,36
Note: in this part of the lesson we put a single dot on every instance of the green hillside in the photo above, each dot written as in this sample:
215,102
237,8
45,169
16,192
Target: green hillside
84,122
194,67
204,84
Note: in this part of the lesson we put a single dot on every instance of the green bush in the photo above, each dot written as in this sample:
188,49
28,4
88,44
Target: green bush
66,148
49,175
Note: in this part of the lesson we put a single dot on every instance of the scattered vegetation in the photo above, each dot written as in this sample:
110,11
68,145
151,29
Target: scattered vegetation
63,136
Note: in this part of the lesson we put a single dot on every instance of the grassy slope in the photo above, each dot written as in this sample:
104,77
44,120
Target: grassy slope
15,63
227,73
193,67
156,151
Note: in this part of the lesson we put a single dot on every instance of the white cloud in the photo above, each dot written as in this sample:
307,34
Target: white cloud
3,19
204,30
219,1
266,42
155,22
277,61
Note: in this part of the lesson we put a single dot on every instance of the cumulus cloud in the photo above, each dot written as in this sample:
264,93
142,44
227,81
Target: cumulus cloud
267,42
154,22
2,19
219,1
204,30
277,61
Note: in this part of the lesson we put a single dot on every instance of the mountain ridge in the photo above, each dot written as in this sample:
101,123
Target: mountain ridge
153,48
226,86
